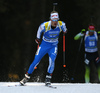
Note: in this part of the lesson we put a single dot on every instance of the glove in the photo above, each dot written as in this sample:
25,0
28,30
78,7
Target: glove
98,32
87,61
83,31
78,36
37,40
64,32
97,60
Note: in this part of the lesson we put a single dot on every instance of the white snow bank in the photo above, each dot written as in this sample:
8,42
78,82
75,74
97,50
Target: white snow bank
32,87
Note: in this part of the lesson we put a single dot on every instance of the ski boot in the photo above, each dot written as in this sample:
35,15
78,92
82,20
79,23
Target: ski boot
25,79
48,79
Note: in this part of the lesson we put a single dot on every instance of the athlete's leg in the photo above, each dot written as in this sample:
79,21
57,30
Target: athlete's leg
97,63
87,68
87,74
42,50
98,72
39,54
52,56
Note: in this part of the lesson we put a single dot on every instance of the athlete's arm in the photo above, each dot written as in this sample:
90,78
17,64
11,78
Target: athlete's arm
63,27
40,30
80,35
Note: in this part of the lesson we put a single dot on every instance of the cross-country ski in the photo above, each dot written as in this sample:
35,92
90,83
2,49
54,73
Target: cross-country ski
29,84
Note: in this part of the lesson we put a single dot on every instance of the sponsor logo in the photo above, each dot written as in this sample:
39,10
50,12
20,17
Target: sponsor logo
54,15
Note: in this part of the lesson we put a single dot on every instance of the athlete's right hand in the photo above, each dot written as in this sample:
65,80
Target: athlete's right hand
83,31
37,40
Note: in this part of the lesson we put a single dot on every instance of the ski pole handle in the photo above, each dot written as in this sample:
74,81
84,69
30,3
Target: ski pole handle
54,4
64,50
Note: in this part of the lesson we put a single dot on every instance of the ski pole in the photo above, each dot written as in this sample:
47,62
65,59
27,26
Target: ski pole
65,71
77,58
64,50
54,4
37,48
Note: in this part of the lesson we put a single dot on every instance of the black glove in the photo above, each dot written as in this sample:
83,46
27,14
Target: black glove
37,40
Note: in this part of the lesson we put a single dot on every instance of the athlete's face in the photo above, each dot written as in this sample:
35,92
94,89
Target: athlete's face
91,33
54,22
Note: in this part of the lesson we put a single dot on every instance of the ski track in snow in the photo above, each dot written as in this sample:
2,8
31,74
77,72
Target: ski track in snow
33,87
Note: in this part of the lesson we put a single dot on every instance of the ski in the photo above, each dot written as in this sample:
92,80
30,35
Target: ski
16,85
50,86
13,85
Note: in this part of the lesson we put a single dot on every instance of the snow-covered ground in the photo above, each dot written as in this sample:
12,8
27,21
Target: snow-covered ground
8,87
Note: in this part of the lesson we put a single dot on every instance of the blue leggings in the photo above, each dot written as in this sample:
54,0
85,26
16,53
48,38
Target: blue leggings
43,49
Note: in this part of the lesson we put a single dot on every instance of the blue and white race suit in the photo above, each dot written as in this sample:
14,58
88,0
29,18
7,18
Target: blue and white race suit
91,50
48,45
91,42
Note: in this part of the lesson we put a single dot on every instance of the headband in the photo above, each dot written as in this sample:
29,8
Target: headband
54,15
91,27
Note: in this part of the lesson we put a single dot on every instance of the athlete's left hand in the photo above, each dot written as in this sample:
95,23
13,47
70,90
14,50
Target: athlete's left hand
64,32
37,40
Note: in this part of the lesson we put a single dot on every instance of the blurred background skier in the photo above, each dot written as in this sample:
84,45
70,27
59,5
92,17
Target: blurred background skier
91,50
51,30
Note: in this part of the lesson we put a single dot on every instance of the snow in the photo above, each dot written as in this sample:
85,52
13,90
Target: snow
33,87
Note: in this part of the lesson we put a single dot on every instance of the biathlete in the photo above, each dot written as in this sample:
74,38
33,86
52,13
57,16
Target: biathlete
91,50
51,30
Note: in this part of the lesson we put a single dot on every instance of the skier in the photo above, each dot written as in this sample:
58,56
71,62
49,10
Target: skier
91,50
51,30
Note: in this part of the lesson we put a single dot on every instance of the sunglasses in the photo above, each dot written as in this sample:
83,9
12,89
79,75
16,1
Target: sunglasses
55,20
91,30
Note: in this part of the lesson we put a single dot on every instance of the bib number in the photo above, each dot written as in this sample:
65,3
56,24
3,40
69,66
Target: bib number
91,43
